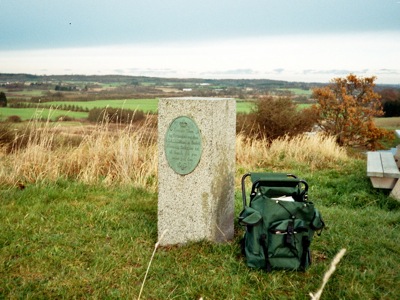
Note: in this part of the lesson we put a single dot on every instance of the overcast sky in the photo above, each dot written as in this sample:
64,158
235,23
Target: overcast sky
297,40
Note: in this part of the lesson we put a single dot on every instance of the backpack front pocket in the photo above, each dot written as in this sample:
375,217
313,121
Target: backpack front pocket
287,241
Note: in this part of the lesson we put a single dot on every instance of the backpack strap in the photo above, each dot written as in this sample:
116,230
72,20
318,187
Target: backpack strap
306,253
263,242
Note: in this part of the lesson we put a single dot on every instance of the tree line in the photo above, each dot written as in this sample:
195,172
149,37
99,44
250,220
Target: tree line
66,107
390,99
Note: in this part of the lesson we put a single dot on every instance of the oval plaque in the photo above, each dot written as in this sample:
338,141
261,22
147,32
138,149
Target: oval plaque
183,145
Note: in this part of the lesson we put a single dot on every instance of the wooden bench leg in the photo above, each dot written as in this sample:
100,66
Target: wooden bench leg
395,193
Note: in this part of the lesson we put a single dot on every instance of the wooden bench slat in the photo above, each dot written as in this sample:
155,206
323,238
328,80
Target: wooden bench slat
389,165
374,164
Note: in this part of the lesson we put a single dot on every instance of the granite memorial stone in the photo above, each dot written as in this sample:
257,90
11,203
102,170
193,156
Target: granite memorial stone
196,169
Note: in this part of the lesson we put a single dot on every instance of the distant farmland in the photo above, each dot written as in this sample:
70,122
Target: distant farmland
52,111
146,105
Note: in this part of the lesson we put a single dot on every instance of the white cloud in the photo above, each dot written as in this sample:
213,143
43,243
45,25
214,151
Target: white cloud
297,58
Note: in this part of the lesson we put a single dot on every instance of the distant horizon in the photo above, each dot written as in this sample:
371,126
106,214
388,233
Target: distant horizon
397,85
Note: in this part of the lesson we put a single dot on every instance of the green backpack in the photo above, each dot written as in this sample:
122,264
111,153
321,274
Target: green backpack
280,222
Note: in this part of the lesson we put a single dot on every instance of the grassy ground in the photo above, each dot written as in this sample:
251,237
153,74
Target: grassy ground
388,123
70,240
80,229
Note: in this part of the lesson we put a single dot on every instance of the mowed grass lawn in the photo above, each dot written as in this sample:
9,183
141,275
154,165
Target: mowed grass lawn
68,240
146,105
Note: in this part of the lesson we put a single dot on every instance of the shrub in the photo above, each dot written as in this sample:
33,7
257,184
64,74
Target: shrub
3,99
346,109
65,118
390,99
244,122
391,108
14,119
6,134
114,115
11,138
275,117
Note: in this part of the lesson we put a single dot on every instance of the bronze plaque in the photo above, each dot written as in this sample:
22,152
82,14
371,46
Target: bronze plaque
183,145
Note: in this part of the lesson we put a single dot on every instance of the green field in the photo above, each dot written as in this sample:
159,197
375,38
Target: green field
243,106
38,113
146,105
297,91
303,105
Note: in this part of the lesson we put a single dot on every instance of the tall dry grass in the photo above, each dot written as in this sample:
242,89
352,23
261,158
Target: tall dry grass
111,154
106,154
316,151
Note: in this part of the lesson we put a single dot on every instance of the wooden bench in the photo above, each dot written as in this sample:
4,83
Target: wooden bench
383,171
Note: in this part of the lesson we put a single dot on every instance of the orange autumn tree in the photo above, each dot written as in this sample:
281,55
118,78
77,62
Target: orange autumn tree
346,109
